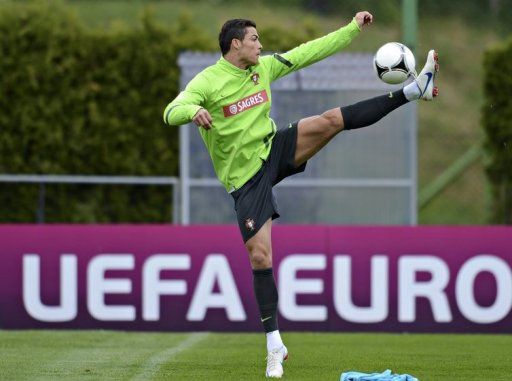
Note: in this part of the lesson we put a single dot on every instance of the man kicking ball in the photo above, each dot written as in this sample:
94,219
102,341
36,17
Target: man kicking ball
231,101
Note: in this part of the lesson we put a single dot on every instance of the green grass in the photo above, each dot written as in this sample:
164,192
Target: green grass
106,355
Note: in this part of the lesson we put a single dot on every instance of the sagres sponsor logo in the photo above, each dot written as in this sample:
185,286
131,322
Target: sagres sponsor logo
233,109
245,103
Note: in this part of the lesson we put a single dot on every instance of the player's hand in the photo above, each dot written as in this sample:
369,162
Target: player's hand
203,119
363,18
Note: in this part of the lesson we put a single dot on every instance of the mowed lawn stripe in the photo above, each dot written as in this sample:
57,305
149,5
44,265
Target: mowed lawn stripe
152,365
230,356
119,356
79,355
314,356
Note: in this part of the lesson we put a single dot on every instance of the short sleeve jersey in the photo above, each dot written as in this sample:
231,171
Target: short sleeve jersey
239,103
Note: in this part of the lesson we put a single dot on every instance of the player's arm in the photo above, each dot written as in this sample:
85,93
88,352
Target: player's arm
188,106
316,50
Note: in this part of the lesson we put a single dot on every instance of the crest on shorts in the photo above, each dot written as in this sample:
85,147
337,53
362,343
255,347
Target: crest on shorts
255,77
250,224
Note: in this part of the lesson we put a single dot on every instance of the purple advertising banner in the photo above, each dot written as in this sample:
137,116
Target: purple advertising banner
330,278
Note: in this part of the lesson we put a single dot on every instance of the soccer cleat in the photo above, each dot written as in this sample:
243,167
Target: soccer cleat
275,360
425,80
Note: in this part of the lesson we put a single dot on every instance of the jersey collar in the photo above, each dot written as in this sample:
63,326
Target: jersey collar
228,66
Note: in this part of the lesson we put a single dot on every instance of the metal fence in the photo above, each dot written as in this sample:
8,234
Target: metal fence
42,180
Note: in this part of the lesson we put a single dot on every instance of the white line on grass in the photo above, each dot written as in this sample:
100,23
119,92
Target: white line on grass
153,364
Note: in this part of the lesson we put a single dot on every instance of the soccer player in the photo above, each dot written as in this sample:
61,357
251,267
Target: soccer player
230,102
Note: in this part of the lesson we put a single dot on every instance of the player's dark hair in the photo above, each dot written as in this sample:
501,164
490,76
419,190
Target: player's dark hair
233,29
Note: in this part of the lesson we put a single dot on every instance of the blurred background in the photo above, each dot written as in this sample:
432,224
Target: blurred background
84,83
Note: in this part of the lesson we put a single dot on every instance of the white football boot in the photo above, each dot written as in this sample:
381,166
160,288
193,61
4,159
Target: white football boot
425,80
275,360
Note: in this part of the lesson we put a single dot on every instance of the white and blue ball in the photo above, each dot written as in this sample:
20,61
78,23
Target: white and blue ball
394,63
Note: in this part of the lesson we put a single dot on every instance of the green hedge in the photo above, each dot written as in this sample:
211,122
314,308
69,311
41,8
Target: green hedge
497,122
81,102
76,101
476,12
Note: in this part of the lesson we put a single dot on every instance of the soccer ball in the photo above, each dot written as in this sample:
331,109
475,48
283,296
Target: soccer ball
394,63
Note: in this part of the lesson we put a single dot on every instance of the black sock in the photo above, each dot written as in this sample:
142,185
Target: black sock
266,296
369,111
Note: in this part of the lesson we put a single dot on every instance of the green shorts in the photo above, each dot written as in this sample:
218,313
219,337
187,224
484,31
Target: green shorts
255,201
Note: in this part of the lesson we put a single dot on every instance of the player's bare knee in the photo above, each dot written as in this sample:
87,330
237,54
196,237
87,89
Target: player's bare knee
259,255
260,260
333,123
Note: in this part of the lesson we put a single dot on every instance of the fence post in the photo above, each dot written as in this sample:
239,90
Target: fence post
41,203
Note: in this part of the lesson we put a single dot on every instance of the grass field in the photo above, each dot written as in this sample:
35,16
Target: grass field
107,355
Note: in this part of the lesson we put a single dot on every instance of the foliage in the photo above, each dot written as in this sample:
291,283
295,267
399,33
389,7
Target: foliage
389,11
276,39
497,122
81,102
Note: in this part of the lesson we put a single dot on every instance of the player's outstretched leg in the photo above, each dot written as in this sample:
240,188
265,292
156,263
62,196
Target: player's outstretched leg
316,131
370,111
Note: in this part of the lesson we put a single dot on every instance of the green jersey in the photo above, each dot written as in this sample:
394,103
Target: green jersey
239,103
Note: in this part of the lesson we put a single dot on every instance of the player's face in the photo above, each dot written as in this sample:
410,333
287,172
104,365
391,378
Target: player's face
250,49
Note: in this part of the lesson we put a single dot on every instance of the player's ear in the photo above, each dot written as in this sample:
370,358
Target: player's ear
236,43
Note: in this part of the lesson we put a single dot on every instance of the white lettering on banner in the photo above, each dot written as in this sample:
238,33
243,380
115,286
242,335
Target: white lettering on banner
409,289
216,271
342,292
67,310
98,286
153,287
464,289
290,286
216,268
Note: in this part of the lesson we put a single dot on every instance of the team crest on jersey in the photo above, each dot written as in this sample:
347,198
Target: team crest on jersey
250,224
245,103
255,77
